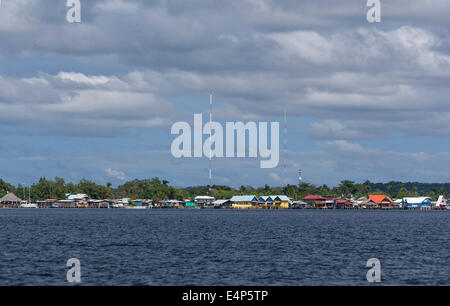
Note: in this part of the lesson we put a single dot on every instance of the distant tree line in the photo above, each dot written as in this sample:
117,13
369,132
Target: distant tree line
157,189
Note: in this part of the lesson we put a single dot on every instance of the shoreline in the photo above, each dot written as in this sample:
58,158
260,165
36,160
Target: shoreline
229,209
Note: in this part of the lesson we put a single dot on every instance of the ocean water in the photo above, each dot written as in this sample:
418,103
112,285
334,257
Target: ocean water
223,247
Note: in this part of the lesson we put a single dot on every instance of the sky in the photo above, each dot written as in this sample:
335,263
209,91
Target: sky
97,99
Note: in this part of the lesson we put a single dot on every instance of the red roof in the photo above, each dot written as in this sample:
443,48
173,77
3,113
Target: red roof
314,197
379,198
343,201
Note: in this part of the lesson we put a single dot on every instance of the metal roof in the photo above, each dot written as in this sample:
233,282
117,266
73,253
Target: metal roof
281,197
245,198
79,196
204,198
417,200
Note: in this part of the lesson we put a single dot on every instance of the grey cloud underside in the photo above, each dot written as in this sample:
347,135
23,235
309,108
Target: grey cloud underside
318,59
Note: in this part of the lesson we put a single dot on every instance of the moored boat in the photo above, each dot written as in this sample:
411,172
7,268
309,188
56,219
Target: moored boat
28,205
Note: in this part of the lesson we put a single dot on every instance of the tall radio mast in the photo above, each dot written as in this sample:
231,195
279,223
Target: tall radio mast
210,137
285,148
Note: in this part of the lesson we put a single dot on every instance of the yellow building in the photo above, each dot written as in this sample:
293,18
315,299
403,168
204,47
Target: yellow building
282,201
244,202
274,201
264,202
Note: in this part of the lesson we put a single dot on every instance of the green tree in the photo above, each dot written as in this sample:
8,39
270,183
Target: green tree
5,188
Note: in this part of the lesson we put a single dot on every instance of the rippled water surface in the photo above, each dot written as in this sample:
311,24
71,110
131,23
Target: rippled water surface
223,247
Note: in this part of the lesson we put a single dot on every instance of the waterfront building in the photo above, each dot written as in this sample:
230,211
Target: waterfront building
112,203
330,203
222,204
10,200
77,197
190,204
316,201
66,204
48,203
98,204
280,201
205,201
299,205
171,204
244,202
122,202
141,202
417,202
397,203
380,200
344,204
264,201
273,201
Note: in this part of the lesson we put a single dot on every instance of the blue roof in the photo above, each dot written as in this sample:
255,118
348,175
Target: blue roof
265,199
281,197
245,198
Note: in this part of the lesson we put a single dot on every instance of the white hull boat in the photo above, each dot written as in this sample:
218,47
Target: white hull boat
28,205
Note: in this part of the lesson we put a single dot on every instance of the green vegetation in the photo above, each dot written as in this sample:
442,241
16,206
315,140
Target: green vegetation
5,187
157,189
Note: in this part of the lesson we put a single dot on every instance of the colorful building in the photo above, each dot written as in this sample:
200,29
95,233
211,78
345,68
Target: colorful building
273,201
343,204
265,202
280,201
417,202
244,202
190,205
380,200
316,201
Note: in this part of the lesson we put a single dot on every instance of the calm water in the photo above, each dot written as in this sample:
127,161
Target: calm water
220,247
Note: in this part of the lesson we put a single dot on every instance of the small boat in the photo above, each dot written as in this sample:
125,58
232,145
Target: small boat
28,205
25,204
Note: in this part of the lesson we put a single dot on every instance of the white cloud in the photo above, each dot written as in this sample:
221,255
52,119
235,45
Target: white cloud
275,177
333,129
309,46
81,101
127,63
82,78
116,174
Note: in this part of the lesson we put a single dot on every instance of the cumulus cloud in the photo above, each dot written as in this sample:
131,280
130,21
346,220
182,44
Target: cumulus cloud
333,129
275,177
76,100
139,65
116,174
